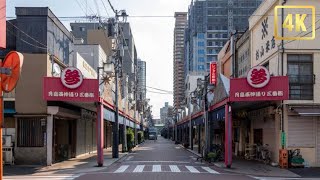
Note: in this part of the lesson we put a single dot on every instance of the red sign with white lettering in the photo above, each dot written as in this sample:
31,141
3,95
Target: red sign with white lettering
71,77
276,89
258,77
213,73
55,90
3,28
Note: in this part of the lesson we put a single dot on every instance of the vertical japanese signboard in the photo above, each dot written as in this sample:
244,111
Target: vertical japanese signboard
3,24
213,73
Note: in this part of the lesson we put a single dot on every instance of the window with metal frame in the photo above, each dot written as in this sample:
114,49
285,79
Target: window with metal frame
301,77
31,132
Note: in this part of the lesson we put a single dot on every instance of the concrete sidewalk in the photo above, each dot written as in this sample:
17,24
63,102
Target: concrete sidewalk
255,168
83,164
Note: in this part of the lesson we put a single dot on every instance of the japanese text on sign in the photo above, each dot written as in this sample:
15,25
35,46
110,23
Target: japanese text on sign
259,94
70,94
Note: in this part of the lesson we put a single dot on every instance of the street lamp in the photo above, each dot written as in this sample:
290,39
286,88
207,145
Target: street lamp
203,84
107,69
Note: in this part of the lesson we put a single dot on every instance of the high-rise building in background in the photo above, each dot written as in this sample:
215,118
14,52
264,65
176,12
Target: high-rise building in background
178,59
141,85
210,23
166,114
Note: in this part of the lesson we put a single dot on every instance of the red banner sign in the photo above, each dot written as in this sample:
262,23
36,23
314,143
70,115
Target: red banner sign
276,89
213,73
54,90
3,28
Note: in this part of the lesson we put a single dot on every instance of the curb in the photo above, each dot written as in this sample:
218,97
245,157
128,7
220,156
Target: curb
187,149
253,175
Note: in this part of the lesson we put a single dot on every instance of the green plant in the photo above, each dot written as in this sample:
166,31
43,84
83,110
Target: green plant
130,139
140,137
211,157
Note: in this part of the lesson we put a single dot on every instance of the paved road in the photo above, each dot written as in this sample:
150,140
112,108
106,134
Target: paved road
161,160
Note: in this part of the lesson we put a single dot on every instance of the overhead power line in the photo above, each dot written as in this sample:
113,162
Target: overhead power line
112,7
159,92
25,40
159,89
81,7
27,35
105,8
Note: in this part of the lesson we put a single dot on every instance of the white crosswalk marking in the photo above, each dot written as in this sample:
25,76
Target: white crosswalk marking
49,177
139,168
210,170
164,168
156,168
174,168
192,169
122,169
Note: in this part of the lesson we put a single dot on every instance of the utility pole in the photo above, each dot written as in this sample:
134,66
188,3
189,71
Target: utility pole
117,67
206,120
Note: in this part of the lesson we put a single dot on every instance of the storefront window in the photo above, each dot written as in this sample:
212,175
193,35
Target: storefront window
301,78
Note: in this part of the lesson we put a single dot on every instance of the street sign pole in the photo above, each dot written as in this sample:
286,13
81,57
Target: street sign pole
10,70
1,124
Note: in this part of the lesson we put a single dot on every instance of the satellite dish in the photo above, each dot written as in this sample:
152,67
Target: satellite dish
13,61
56,70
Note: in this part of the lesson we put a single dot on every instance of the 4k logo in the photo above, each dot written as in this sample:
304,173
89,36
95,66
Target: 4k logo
296,22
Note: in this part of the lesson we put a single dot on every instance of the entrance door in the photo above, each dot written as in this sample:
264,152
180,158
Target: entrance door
258,136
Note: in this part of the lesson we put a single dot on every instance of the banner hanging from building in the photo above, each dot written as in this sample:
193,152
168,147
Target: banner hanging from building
3,28
70,87
213,73
259,86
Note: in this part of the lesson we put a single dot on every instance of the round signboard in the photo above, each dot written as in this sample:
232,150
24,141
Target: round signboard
13,61
258,77
71,77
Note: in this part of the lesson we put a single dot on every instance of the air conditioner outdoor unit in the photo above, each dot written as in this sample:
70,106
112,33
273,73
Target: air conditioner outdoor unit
8,155
6,141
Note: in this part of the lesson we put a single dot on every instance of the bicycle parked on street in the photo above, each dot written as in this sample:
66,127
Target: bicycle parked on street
263,154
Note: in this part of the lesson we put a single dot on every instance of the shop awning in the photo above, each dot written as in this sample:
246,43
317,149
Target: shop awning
121,119
108,115
197,121
307,111
217,115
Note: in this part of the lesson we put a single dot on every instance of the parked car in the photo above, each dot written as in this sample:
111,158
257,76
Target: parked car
153,136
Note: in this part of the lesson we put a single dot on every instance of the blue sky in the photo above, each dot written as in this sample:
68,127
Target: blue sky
153,36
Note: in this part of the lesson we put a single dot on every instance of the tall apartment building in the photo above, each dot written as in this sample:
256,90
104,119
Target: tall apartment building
142,84
178,59
166,114
210,23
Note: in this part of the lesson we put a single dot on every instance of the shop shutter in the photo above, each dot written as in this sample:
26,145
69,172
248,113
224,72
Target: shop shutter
318,143
301,131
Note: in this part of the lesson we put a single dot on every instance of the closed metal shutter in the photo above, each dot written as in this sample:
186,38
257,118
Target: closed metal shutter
301,131
318,143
